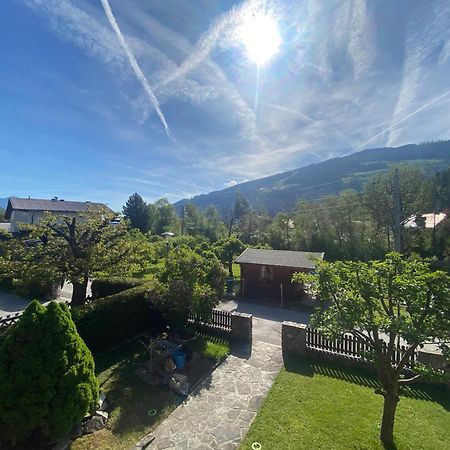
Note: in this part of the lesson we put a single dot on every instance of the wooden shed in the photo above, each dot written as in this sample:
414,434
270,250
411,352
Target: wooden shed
268,273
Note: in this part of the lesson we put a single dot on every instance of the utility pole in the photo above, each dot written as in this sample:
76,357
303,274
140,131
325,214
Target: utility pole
183,218
397,213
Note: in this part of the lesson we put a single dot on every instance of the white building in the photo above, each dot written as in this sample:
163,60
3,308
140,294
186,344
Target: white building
31,210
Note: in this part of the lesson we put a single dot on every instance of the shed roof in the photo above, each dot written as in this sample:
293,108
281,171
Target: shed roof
283,258
55,205
431,220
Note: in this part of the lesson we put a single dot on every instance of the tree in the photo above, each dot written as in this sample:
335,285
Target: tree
163,217
383,303
415,193
47,376
193,283
135,210
241,207
78,249
227,250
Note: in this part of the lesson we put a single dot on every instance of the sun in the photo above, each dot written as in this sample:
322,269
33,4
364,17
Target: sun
259,33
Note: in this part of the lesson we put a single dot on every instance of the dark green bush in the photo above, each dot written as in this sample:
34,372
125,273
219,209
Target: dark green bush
109,321
103,287
47,376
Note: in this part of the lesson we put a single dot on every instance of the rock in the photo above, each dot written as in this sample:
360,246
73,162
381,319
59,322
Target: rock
103,414
102,402
143,443
93,424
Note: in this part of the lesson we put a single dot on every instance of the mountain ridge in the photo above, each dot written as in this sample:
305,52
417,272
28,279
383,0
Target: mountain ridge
281,191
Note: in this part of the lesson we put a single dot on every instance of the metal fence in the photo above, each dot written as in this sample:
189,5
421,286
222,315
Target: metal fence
352,347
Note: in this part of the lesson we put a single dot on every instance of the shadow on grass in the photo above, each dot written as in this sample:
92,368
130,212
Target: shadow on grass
129,398
310,367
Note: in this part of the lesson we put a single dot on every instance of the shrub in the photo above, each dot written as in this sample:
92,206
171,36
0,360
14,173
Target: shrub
103,287
111,320
47,376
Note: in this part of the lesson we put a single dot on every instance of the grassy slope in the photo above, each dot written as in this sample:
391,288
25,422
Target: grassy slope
321,406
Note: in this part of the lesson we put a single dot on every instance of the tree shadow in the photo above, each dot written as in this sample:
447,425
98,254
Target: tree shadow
310,367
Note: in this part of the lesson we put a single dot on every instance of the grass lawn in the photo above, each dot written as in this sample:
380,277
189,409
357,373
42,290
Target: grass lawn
129,398
318,405
150,274
237,270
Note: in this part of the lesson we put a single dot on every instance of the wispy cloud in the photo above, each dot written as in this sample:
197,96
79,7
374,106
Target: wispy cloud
135,66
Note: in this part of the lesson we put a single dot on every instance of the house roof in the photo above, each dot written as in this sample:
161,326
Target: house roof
283,258
431,220
55,205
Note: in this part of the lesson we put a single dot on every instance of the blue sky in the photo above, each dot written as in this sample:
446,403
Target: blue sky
79,122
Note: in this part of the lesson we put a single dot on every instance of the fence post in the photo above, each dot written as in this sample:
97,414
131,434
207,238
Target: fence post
293,338
241,327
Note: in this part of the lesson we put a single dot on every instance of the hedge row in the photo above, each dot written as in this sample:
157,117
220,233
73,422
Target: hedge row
103,287
109,321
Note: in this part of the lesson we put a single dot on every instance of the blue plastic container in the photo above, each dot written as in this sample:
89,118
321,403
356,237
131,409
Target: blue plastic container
179,358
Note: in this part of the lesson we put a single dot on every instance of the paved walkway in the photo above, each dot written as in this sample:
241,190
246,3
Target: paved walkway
267,320
220,411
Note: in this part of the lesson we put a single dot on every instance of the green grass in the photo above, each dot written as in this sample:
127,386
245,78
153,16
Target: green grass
237,270
211,347
129,400
317,405
150,274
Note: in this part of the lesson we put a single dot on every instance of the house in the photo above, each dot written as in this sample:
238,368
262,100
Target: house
268,273
427,221
31,210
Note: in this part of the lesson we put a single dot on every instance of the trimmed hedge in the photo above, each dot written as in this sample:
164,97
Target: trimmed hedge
104,287
109,321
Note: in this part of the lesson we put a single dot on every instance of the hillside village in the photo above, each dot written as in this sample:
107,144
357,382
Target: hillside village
225,225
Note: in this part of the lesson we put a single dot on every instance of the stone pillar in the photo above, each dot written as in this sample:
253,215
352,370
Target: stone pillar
433,359
241,327
293,338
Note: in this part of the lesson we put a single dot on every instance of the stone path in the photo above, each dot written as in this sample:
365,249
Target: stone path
220,411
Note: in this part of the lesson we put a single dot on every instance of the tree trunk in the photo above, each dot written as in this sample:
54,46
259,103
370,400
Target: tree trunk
387,425
230,267
79,292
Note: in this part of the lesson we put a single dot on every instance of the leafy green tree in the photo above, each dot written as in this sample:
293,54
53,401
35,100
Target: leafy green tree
241,207
47,376
2,215
78,249
136,211
193,283
415,192
383,303
227,250
441,182
163,217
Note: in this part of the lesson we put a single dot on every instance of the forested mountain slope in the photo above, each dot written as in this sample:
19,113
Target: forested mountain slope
281,191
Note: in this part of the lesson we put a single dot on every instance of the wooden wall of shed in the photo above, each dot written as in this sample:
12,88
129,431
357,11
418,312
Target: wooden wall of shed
254,287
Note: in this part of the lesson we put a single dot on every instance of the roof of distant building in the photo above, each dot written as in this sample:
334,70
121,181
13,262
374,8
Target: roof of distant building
283,258
53,205
431,220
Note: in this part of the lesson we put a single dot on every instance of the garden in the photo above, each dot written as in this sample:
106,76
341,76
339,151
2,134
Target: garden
321,405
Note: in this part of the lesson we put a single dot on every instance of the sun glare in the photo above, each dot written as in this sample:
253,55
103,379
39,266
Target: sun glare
260,36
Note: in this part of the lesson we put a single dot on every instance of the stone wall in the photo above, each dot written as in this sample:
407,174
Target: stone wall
241,327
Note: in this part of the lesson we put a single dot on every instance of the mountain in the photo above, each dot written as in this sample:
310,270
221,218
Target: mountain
280,192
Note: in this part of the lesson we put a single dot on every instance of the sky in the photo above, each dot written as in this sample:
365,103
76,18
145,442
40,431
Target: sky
103,98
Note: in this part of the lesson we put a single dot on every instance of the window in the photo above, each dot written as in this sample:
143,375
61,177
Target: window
266,274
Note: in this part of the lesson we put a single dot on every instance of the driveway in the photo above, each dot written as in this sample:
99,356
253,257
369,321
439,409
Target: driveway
12,303
267,320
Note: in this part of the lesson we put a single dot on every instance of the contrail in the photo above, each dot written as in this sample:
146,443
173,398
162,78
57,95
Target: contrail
135,66
399,121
